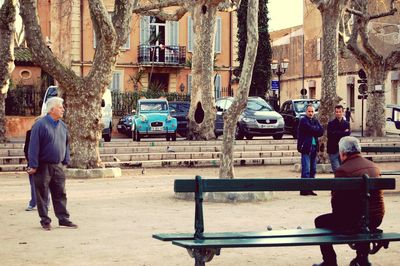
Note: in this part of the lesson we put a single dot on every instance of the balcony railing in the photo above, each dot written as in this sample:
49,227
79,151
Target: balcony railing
162,54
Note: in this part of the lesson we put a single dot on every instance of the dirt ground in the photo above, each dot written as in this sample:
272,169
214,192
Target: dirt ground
117,218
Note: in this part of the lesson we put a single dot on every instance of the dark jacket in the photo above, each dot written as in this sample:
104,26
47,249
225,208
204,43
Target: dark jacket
336,131
26,146
308,128
348,204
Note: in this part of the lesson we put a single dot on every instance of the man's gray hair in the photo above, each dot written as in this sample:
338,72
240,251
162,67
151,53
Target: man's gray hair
350,145
53,102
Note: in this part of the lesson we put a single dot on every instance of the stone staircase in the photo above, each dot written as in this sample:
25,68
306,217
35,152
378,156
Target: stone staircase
159,153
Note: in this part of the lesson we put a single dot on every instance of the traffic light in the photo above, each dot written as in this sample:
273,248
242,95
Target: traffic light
363,87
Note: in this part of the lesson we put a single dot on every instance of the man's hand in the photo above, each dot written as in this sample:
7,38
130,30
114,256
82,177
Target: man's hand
31,171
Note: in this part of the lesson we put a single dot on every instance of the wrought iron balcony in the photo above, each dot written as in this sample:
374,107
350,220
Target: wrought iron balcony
162,55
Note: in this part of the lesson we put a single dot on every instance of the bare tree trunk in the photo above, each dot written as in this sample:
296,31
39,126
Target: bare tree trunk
330,12
7,31
231,117
83,94
375,118
202,107
375,64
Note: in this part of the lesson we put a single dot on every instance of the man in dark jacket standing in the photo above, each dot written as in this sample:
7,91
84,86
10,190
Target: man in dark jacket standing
347,205
307,144
48,152
337,129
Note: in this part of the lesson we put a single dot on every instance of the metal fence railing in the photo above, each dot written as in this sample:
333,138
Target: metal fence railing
25,101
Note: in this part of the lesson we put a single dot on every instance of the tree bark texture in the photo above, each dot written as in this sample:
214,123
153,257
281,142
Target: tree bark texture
83,94
375,65
231,117
7,31
202,111
330,13
375,117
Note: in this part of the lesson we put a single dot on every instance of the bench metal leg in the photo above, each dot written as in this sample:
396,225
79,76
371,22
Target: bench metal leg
363,250
203,255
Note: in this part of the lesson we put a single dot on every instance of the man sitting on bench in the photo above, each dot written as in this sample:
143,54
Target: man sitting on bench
347,205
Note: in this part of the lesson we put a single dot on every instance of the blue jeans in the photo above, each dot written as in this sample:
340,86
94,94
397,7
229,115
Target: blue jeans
309,163
32,202
335,161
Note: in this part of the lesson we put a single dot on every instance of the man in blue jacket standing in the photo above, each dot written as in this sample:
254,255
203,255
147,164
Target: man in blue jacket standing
337,129
48,152
307,144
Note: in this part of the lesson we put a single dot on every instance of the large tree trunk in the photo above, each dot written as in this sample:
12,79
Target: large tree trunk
202,106
375,118
330,13
83,94
7,31
231,117
375,64
86,133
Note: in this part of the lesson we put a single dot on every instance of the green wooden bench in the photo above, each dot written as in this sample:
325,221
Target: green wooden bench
202,246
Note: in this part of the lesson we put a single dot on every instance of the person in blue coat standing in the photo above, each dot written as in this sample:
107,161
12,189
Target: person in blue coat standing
337,129
309,131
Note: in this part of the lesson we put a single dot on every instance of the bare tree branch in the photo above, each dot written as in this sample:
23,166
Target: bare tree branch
392,60
40,52
122,8
158,5
179,13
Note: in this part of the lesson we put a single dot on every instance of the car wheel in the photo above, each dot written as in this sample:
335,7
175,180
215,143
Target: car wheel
249,137
107,138
174,136
278,136
137,136
238,133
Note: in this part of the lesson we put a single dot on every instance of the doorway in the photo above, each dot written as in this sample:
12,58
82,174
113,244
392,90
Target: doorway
159,82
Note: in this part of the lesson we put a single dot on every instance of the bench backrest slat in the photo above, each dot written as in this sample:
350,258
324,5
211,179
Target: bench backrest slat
393,149
282,184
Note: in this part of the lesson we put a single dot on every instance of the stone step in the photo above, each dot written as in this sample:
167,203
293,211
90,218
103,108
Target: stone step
184,147
198,162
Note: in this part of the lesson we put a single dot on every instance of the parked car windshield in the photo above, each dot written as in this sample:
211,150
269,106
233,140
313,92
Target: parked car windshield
301,106
153,106
258,105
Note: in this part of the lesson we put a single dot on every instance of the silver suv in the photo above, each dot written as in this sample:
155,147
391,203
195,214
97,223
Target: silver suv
258,119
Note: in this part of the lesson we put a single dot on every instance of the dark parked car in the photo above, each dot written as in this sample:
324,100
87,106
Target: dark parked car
124,125
293,110
258,119
180,111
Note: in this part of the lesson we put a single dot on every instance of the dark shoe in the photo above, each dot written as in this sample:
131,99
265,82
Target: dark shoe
304,193
68,224
46,227
312,193
326,264
357,262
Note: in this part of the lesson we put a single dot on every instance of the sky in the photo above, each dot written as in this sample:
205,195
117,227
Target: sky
285,14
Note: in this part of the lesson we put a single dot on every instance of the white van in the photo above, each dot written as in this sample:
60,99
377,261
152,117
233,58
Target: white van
106,110
393,119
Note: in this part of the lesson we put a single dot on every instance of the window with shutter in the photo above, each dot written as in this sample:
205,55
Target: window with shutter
116,82
218,35
217,86
190,35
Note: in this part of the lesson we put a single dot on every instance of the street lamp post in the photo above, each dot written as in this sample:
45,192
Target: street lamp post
279,68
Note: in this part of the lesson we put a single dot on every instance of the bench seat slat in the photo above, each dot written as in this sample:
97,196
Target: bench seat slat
286,241
282,184
237,235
